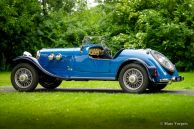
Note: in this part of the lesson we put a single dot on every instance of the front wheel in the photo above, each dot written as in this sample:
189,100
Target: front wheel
133,78
49,82
24,77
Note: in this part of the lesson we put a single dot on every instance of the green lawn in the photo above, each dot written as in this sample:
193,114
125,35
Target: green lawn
5,79
83,110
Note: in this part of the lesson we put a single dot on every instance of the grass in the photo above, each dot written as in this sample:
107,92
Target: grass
5,79
93,110
83,110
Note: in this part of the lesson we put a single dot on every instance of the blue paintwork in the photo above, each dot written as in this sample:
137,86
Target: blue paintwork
77,64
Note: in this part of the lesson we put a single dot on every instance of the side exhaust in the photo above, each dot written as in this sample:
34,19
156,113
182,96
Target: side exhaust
177,79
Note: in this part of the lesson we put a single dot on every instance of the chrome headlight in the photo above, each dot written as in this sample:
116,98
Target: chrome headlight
164,61
58,57
51,56
37,54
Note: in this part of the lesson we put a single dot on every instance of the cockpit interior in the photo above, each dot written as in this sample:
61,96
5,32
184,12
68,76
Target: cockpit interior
99,53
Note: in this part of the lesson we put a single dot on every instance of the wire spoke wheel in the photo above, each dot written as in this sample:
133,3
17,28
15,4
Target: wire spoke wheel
133,78
23,77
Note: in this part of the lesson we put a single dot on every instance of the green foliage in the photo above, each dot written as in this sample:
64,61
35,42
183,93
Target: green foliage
163,25
17,28
166,26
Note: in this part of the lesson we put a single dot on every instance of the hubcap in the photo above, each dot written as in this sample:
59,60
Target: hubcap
23,77
133,79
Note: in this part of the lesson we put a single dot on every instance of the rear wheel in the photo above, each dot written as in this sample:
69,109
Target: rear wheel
24,77
156,87
133,78
49,82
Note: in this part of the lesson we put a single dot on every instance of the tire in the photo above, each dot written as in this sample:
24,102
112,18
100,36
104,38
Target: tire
49,82
133,78
156,87
24,77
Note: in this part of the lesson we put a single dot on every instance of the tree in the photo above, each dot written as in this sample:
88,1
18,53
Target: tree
163,25
166,26
17,28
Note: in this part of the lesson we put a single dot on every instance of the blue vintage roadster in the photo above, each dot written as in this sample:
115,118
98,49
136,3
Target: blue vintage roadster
135,69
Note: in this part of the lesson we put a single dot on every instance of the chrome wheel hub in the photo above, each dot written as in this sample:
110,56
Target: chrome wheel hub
133,78
23,77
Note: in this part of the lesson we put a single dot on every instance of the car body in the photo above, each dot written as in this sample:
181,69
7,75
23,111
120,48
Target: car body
135,69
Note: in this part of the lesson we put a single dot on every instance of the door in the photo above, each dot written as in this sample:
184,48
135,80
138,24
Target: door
101,65
84,63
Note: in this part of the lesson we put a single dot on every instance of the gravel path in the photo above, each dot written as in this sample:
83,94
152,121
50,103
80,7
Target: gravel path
99,90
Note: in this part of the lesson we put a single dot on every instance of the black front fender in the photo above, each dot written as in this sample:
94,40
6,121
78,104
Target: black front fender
34,62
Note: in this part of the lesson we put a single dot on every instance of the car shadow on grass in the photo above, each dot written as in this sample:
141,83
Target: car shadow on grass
89,90
103,90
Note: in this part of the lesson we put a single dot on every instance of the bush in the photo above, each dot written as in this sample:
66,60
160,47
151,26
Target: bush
166,26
